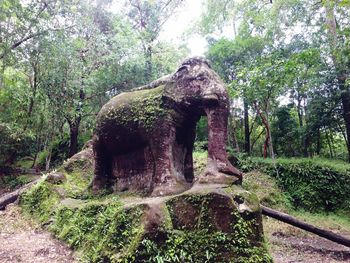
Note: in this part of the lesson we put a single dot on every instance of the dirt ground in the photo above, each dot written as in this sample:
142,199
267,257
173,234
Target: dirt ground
22,241
288,244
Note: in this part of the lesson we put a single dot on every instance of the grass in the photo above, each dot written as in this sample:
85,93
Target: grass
337,165
338,222
266,189
199,162
272,196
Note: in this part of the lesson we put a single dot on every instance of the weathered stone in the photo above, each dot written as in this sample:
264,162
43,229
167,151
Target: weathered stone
208,223
56,178
144,139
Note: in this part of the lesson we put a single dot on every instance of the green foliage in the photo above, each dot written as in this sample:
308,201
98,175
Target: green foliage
99,231
315,185
14,144
14,181
202,246
40,201
285,132
266,189
202,130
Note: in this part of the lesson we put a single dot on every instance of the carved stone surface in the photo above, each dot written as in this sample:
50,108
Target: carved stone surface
144,139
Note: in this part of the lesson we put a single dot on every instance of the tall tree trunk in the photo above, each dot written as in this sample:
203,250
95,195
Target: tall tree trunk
318,144
299,109
268,143
48,160
343,133
255,140
341,77
149,65
246,127
345,98
306,144
74,132
272,153
234,140
329,145
34,86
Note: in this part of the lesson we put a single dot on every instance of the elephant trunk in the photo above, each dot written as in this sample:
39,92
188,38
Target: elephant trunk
217,138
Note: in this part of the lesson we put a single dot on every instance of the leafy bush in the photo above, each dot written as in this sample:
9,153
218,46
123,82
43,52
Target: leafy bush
312,184
14,143
13,181
201,146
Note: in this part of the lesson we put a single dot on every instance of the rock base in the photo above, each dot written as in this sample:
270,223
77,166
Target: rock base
208,223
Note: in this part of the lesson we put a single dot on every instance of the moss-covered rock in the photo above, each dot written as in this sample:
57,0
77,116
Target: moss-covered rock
143,107
208,223
205,224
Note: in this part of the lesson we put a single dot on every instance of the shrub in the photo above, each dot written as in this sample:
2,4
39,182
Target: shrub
312,184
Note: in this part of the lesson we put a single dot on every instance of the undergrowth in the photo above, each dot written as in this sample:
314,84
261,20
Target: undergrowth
11,182
312,184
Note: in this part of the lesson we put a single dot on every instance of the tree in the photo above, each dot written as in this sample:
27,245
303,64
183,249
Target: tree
338,40
147,18
228,58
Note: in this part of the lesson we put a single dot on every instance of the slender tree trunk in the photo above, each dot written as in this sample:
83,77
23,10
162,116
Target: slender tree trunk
34,86
345,98
343,133
235,144
318,144
74,132
38,142
306,142
255,140
149,65
272,153
246,127
300,113
329,145
268,143
48,160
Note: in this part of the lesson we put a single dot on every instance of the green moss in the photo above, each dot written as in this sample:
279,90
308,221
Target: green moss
40,201
266,189
101,232
198,239
76,184
144,107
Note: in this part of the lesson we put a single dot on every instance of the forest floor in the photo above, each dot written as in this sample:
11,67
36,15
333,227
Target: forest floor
22,240
288,244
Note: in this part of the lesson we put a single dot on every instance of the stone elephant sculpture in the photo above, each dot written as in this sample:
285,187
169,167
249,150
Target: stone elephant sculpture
144,139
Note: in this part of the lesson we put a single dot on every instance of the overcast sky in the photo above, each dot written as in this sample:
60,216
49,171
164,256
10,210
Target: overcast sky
177,25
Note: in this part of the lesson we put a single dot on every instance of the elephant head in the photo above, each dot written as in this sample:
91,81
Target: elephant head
200,91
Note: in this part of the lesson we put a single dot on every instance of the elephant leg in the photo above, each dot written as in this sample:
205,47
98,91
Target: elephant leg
102,166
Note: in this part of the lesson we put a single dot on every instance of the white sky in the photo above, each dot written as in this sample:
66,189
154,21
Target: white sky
175,28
